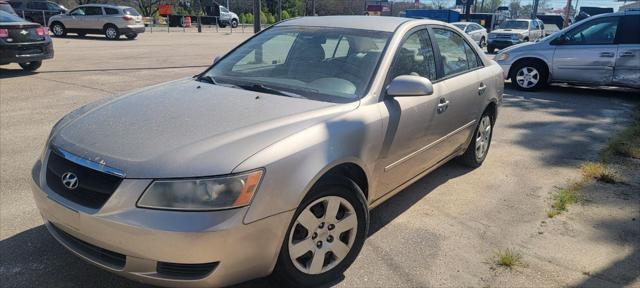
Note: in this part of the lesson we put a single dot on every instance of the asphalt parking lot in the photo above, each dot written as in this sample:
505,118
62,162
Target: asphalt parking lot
440,231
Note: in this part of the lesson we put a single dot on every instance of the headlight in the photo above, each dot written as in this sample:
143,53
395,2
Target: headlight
515,36
203,193
491,35
502,56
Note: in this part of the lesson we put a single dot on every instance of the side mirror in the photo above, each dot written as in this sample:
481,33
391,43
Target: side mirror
558,40
409,85
216,59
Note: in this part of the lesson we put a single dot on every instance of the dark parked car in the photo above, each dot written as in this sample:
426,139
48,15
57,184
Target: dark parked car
22,42
37,11
6,7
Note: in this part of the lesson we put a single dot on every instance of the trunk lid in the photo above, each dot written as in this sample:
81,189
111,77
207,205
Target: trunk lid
22,32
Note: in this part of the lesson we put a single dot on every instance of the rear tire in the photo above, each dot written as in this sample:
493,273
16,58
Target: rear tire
333,240
234,23
30,66
529,76
483,42
480,142
111,32
58,29
132,36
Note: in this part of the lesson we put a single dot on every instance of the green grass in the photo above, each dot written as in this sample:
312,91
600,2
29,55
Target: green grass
562,199
626,143
598,171
508,258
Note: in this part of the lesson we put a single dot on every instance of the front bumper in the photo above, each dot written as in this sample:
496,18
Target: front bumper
25,52
145,238
502,43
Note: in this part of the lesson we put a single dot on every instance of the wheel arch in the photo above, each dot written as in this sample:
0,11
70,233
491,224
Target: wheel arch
104,27
349,170
492,110
57,22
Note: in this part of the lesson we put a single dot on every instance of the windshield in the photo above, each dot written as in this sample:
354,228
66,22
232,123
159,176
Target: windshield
510,24
460,26
327,64
131,11
6,17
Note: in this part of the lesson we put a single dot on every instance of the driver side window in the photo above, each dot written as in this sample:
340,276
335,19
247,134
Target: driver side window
415,57
78,12
598,31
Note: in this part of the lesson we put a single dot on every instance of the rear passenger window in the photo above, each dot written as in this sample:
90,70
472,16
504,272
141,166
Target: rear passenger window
92,11
629,33
111,11
457,56
415,57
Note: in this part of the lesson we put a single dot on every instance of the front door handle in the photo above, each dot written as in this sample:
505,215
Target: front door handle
443,105
606,54
482,88
627,54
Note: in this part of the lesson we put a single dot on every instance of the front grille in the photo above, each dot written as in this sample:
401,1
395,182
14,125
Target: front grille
185,271
95,253
94,187
503,36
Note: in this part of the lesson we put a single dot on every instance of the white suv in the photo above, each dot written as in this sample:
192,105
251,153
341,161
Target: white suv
110,20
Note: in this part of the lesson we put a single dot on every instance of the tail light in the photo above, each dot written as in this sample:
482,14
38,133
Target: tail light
4,33
41,31
127,17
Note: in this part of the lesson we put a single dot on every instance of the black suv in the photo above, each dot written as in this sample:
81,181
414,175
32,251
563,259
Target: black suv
37,11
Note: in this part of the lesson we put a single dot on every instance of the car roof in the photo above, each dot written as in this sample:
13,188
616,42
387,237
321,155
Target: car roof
104,5
377,23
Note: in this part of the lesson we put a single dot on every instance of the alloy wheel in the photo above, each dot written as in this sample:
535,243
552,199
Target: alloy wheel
58,30
111,33
483,137
527,77
323,235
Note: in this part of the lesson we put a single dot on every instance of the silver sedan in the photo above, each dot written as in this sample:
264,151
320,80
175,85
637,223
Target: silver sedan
269,161
475,31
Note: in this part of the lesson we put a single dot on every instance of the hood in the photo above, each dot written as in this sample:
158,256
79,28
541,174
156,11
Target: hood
510,31
517,46
186,128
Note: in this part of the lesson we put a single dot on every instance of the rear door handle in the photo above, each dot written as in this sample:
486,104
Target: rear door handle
627,54
443,105
606,54
482,88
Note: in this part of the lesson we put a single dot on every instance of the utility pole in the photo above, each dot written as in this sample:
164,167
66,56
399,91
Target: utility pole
482,6
256,16
566,14
279,10
467,9
313,7
534,13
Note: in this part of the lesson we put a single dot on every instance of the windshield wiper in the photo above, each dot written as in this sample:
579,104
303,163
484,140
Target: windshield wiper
207,78
262,88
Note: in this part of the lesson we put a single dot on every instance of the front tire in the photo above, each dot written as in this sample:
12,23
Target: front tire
234,23
480,142
325,235
491,49
529,76
483,42
30,66
111,32
58,29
